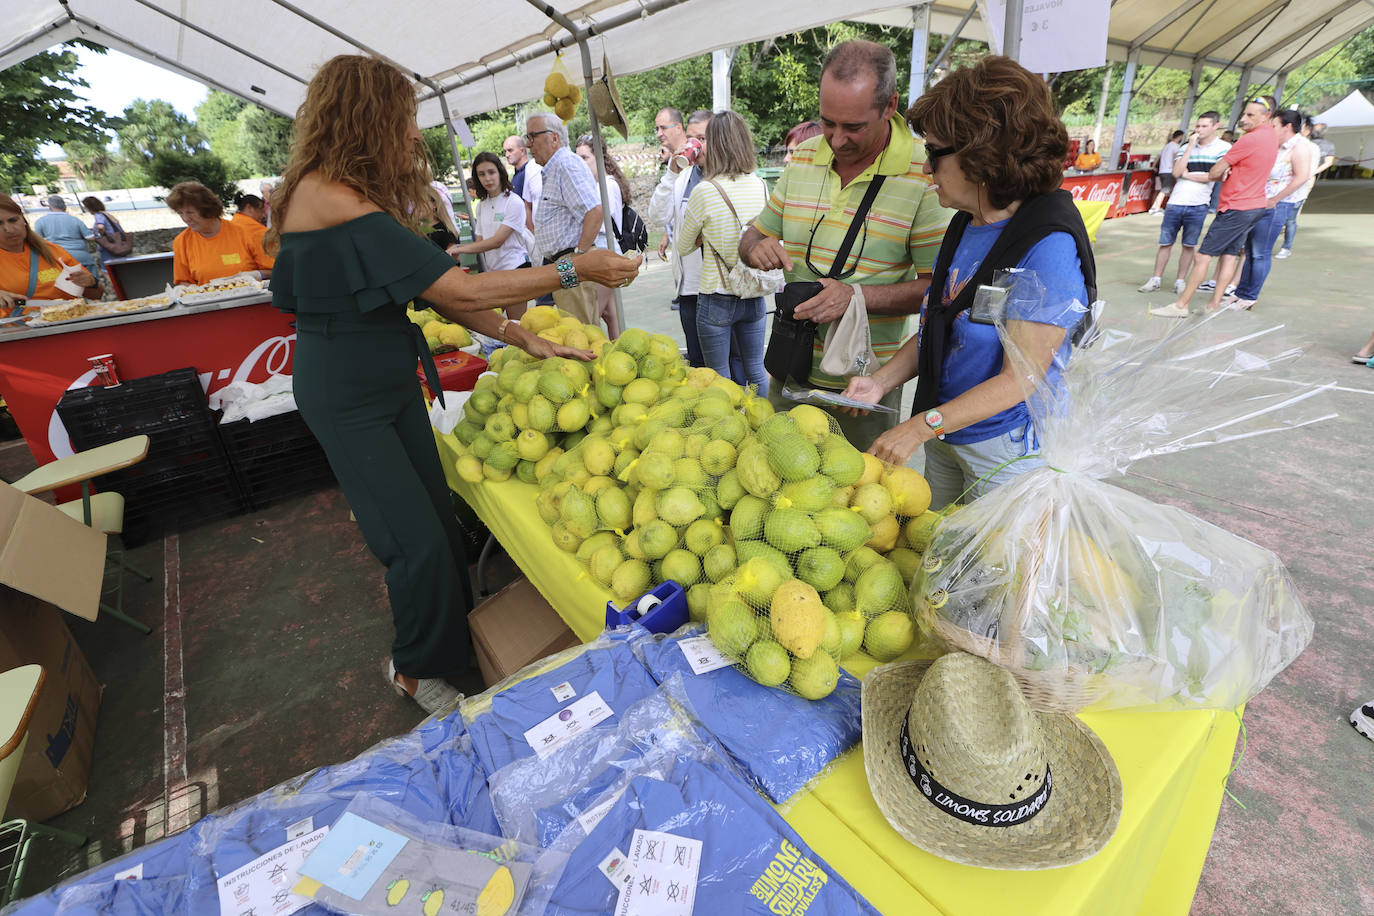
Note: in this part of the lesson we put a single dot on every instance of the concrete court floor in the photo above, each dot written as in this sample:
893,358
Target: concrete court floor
270,630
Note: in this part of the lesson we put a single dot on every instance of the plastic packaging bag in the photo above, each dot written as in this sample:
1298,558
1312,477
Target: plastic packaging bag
672,823
539,707
780,740
414,866
1092,595
168,861
144,897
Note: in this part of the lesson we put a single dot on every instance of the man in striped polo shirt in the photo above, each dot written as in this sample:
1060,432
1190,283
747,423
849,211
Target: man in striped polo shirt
806,218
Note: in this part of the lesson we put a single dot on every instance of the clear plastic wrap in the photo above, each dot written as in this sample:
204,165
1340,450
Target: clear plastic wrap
415,866
780,740
1092,595
144,897
652,814
534,710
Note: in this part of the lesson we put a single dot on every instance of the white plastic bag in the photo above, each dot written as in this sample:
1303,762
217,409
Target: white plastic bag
1095,596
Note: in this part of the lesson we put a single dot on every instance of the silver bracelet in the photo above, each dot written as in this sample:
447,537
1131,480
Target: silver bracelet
567,274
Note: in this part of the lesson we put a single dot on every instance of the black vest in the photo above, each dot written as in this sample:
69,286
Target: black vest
1036,218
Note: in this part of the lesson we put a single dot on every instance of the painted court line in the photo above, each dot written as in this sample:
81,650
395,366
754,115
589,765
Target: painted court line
174,684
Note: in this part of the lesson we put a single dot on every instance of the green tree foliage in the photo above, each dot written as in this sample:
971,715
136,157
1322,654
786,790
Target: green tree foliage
266,141
151,127
39,104
168,167
217,118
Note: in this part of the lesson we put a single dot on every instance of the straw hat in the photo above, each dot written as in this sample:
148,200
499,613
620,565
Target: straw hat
605,101
981,779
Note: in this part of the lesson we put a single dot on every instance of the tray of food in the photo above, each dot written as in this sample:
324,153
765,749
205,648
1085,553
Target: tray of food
144,304
68,311
236,287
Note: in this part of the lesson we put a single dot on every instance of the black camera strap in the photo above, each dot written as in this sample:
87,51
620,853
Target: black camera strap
861,214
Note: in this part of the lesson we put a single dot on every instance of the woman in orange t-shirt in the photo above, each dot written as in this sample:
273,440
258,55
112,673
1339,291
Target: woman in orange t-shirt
26,258
250,213
1088,159
212,247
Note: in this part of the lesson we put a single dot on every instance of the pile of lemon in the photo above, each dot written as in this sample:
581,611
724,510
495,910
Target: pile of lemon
561,95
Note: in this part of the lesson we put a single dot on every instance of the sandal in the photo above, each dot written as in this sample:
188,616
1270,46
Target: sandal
1361,360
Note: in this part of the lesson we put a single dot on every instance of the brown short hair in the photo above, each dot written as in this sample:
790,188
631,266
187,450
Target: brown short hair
850,61
1000,119
194,194
92,205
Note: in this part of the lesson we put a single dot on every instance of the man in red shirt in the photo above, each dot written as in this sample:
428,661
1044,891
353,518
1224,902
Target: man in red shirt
1242,171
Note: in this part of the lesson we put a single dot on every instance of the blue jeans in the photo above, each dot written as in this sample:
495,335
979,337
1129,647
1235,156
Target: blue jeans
1259,251
721,317
954,468
1290,226
687,314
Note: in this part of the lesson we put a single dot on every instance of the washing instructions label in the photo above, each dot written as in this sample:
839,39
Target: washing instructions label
563,692
263,886
567,723
703,655
665,875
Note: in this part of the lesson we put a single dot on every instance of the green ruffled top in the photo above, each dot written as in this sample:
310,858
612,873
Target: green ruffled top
355,267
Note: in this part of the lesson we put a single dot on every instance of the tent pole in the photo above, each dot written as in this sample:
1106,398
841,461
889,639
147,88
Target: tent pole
1102,106
1011,30
1280,82
1123,113
1191,101
457,159
722,62
949,44
920,40
598,148
1241,91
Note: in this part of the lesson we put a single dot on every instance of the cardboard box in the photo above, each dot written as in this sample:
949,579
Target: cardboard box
49,561
515,627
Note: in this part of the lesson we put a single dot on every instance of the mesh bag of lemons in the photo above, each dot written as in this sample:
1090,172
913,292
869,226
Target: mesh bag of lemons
527,410
561,93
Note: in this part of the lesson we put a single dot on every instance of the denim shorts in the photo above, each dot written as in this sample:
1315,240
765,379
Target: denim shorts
1189,219
1229,230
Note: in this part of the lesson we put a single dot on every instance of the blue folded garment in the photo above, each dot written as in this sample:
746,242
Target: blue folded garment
779,739
606,668
169,858
147,897
750,860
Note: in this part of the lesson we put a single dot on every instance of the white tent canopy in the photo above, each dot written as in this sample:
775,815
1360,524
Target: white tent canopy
484,54
1350,128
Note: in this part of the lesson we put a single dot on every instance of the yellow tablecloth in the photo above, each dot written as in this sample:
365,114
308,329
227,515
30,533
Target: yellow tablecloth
1172,765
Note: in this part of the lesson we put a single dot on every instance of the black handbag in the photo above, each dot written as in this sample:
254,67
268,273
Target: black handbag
791,344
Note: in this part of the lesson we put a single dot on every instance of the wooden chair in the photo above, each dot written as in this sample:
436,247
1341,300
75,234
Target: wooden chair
102,511
19,691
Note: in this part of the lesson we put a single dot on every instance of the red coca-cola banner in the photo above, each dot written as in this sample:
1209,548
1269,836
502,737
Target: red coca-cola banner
1140,190
248,343
1105,187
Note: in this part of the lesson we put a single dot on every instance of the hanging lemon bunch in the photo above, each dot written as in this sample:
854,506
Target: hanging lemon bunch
561,94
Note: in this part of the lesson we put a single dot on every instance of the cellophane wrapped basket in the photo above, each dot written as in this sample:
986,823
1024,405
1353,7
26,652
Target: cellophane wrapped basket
1094,596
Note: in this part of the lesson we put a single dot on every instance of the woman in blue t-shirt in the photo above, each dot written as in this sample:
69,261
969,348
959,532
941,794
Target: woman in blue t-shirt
995,149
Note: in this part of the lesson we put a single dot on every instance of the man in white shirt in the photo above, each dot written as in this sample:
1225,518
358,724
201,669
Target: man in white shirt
1189,200
666,206
1165,169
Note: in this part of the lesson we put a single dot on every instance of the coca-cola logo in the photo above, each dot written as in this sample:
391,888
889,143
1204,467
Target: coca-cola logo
270,357
1098,191
1140,188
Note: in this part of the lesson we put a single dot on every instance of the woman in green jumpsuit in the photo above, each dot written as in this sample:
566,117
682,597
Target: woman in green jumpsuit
348,261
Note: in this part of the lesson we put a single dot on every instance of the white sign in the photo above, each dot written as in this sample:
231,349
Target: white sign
567,723
1056,35
665,875
263,886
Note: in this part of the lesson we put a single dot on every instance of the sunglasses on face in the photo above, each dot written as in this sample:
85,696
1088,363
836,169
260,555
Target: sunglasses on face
933,153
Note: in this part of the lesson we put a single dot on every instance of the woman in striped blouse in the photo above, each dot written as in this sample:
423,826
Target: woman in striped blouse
727,198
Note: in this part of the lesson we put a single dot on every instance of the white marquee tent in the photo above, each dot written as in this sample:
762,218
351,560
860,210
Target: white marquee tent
1350,128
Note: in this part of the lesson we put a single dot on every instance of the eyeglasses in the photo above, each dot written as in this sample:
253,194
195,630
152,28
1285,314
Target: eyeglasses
529,137
1261,100
933,153
845,272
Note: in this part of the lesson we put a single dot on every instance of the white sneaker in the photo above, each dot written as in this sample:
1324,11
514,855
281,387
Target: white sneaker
1284,253
1172,310
1363,720
1207,286
432,694
1229,289
1178,287
1150,286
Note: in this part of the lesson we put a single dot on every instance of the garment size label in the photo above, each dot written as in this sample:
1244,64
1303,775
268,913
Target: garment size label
703,655
616,868
300,828
263,886
569,722
563,692
665,875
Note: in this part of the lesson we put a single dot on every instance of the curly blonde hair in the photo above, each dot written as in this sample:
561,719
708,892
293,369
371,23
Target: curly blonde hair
352,129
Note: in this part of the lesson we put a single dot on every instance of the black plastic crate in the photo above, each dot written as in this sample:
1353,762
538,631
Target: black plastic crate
156,508
275,458
149,405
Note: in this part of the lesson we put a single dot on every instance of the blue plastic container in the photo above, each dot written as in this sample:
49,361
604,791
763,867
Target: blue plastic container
665,617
